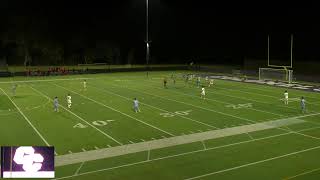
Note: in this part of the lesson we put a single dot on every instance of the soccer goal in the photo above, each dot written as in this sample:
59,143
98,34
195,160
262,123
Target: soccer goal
284,75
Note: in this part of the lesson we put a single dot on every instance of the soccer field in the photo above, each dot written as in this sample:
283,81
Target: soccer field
240,131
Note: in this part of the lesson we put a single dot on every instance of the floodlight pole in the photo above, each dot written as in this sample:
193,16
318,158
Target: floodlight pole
268,50
147,37
291,50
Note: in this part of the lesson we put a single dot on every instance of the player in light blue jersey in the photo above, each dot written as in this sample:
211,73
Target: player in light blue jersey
14,88
303,105
56,104
198,82
136,105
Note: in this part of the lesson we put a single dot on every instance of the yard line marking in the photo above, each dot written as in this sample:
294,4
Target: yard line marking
116,110
223,102
204,145
96,147
254,163
168,142
148,155
301,174
78,170
155,107
306,135
199,107
260,89
25,117
83,120
255,94
249,135
176,155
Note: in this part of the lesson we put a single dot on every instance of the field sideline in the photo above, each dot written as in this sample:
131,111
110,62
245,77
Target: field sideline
270,140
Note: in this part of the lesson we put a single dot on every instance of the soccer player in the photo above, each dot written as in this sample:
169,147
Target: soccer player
14,88
203,93
303,105
211,82
198,82
56,104
69,101
165,82
173,79
286,97
136,105
85,85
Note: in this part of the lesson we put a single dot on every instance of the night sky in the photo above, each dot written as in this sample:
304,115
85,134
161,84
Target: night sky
207,31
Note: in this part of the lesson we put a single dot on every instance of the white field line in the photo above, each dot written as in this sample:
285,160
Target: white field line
78,170
301,174
44,80
183,154
29,122
223,102
254,163
168,142
155,107
83,120
266,90
86,97
199,107
274,97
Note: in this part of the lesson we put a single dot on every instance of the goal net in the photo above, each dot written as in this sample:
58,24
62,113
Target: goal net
283,75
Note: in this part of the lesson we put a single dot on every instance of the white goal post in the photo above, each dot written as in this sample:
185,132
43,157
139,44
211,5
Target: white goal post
284,75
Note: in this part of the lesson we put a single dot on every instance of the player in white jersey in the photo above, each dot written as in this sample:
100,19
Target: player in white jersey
136,105
211,82
203,93
69,101
286,97
85,85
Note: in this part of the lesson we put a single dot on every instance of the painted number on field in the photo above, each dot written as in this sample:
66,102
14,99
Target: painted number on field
95,123
177,113
239,106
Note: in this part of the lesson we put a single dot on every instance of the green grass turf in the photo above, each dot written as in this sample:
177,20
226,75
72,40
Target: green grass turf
105,112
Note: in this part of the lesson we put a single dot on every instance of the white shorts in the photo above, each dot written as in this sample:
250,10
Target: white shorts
203,93
69,102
